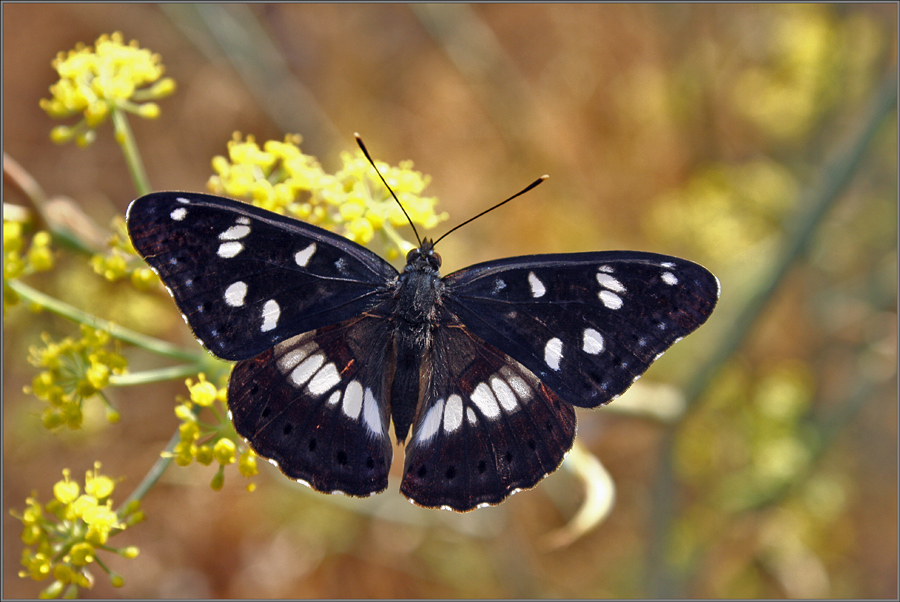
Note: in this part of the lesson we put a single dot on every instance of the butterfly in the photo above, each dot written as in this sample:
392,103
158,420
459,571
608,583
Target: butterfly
481,369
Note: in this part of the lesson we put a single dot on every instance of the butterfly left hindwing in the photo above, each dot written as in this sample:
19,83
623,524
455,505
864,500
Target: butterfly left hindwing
315,406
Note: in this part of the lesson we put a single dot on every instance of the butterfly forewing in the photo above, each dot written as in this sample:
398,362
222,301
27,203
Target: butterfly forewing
487,427
315,406
245,278
587,324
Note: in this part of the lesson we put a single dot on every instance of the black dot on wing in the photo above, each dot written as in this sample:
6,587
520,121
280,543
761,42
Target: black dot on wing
287,429
422,471
451,473
370,463
482,466
341,458
266,411
532,445
312,444
508,457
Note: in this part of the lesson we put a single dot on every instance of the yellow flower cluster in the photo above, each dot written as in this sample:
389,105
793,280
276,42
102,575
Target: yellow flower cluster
96,81
354,201
38,257
64,536
73,370
208,443
121,260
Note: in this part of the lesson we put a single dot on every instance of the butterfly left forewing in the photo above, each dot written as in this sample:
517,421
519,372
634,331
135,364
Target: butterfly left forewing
587,324
315,406
245,278
486,427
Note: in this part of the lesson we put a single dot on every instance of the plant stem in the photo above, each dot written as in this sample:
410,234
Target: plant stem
129,147
65,310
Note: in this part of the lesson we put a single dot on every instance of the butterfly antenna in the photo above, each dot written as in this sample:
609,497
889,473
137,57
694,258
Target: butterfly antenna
472,219
366,153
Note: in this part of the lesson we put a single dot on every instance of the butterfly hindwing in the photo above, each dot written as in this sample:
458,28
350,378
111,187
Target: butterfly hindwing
587,324
487,426
315,406
245,278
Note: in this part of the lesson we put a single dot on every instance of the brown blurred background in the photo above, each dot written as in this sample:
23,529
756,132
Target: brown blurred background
705,131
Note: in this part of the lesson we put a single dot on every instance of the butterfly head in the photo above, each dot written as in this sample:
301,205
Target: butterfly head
424,257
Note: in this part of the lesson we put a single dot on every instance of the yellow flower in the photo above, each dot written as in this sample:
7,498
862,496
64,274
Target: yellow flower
203,393
224,451
96,81
66,491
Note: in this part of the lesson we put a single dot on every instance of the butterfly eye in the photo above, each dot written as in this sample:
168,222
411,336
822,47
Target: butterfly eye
434,260
413,253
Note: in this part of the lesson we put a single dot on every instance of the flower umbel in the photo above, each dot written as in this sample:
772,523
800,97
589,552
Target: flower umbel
210,442
64,536
38,257
96,81
73,370
353,202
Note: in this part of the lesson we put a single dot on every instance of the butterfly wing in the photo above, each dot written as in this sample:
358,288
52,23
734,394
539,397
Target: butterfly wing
587,324
246,279
487,427
315,406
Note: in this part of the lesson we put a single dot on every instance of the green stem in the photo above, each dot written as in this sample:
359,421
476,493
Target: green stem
65,310
665,581
129,147
156,471
154,376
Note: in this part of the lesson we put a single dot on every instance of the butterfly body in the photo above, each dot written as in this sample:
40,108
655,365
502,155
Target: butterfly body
479,371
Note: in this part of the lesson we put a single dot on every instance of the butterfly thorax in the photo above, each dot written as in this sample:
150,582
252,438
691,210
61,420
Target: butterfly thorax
417,298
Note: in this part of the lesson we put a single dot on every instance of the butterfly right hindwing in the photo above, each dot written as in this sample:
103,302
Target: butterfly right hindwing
487,426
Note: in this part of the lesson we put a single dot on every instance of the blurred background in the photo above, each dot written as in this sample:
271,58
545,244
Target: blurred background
758,140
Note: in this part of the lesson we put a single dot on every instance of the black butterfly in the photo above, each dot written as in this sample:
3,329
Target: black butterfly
485,365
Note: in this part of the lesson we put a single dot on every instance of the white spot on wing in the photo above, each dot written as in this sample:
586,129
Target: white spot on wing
610,299
353,403
605,268
499,285
609,282
484,400
234,294
670,278
302,257
553,353
453,413
227,250
537,287
270,314
243,221
471,417
432,422
235,233
178,214
504,395
324,380
519,386
182,200
292,358
667,264
306,369
353,397
334,398
593,341
371,415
